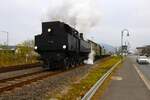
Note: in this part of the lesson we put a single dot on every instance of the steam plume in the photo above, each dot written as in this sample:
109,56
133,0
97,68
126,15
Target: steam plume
80,14
90,59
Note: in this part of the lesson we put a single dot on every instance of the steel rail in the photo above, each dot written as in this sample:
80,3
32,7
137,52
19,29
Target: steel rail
25,80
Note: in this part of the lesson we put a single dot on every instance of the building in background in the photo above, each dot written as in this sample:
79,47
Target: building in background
145,50
6,49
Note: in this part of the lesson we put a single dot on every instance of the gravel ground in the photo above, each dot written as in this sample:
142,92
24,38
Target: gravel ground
19,72
46,88
41,89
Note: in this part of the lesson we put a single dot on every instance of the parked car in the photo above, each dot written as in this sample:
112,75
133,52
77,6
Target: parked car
143,60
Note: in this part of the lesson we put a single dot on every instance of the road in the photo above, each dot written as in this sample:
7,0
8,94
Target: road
144,68
127,83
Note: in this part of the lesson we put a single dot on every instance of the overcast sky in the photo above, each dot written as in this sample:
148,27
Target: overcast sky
22,19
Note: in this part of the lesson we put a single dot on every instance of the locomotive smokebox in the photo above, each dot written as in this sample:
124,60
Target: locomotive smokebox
61,44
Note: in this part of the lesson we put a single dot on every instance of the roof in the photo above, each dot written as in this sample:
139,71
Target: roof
8,47
147,46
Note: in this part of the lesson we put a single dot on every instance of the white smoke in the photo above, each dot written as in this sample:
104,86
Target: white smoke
80,14
90,59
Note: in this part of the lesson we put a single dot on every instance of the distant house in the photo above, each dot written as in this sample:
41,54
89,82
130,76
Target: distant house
8,48
145,50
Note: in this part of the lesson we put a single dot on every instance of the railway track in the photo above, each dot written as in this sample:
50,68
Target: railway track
19,67
12,83
13,79
10,80
18,73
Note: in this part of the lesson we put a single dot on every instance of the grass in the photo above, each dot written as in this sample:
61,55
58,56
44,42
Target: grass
78,89
11,59
105,85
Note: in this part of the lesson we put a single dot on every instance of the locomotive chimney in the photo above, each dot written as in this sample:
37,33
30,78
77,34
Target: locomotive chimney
81,35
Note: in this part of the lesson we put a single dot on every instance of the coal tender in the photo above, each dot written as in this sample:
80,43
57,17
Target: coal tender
61,46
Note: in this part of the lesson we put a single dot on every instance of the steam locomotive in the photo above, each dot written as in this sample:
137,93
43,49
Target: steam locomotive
61,45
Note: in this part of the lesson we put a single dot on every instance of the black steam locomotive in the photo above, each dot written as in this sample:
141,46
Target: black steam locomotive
61,45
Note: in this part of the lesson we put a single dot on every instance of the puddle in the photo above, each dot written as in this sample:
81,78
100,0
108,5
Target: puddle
118,78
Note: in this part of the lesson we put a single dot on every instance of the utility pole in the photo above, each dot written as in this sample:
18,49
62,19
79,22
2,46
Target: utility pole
7,38
7,33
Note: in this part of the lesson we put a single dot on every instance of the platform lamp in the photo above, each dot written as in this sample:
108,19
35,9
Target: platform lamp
122,34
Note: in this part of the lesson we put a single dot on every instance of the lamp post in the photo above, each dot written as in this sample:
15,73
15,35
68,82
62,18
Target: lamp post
122,34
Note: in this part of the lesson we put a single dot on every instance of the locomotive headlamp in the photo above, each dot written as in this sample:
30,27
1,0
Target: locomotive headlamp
49,30
35,47
64,46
